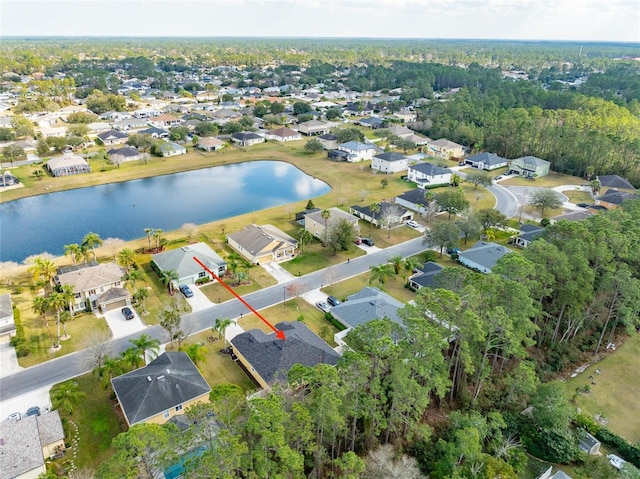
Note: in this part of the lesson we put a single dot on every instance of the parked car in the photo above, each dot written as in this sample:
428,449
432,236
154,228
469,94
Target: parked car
413,224
333,301
461,163
186,290
453,251
367,241
499,177
127,313
322,306
33,411
16,416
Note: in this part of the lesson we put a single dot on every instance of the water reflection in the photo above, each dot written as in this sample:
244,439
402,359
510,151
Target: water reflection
122,210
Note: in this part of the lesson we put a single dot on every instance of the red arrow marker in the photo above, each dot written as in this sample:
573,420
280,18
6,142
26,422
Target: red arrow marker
279,334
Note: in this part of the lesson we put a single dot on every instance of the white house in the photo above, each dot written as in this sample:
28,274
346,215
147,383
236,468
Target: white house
391,162
428,175
357,151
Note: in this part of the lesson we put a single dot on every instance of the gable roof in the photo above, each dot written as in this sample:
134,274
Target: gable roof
617,197
181,260
336,213
444,143
415,196
367,305
430,169
357,146
373,121
245,136
90,276
283,132
209,141
114,134
391,156
532,161
530,232
167,381
154,130
615,181
487,158
328,137
127,151
399,130
427,275
485,253
257,239
270,356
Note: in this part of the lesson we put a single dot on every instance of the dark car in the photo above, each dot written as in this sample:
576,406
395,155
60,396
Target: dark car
33,411
368,241
333,301
186,290
127,313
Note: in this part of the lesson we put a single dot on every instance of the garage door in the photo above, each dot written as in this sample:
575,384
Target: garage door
116,305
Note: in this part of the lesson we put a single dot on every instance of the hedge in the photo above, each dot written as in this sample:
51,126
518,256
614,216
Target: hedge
628,451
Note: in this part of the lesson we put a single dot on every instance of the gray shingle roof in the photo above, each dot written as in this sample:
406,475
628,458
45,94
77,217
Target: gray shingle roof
487,158
245,136
415,196
181,259
485,253
428,274
532,161
167,381
255,238
127,151
615,181
391,156
617,197
357,146
112,134
430,169
91,277
272,358
367,305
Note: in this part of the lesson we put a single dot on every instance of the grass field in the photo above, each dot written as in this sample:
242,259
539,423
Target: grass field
550,181
616,392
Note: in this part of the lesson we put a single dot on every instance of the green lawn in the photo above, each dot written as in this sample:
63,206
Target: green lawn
394,286
292,310
316,257
259,279
616,394
550,181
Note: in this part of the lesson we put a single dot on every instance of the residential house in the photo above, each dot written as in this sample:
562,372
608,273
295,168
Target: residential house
549,474
263,244
224,115
413,199
130,124
572,216
528,233
96,286
53,132
68,164
156,133
269,359
313,128
314,223
428,175
406,116
486,161
26,445
283,134
181,261
146,113
246,138
301,214
401,131
7,322
113,137
164,388
170,148
391,162
127,153
529,167
372,122
358,151
483,256
367,305
426,276
446,149
98,127
329,141
381,218
615,182
337,155
210,143
612,199
116,115
165,121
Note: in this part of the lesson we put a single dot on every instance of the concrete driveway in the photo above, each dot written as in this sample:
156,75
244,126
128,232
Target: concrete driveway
121,327
199,300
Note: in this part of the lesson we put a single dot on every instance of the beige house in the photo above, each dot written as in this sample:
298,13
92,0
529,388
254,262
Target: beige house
210,143
96,286
446,149
28,443
283,134
313,127
314,223
164,388
263,244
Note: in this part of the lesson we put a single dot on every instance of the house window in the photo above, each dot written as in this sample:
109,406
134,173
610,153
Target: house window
179,407
92,292
77,295
202,274
166,414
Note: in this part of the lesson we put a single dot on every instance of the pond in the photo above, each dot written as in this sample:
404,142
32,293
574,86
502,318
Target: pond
123,210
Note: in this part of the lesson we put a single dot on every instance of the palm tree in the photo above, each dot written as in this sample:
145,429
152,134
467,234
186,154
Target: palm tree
146,344
43,269
140,296
40,306
410,264
168,279
91,240
157,236
304,238
149,233
375,209
221,326
455,180
126,258
195,352
110,368
57,301
396,263
380,273
131,357
326,214
133,276
66,395
74,251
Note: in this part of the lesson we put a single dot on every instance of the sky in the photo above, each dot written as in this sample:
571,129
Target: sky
580,20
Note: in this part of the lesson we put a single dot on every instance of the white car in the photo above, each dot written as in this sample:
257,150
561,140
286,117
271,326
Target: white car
413,224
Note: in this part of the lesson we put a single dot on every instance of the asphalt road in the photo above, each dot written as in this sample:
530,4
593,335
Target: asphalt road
75,364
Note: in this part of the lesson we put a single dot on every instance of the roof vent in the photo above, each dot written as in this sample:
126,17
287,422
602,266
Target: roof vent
187,248
168,371
160,377
149,378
